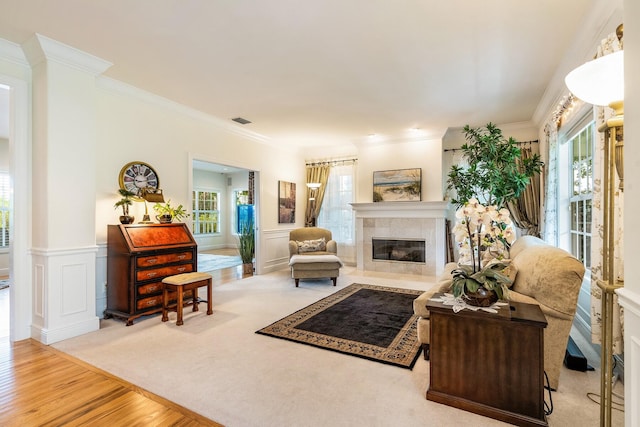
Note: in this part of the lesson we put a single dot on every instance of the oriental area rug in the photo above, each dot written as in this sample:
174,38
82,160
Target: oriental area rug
372,322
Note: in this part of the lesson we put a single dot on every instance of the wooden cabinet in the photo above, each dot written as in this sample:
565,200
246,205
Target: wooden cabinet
490,364
139,256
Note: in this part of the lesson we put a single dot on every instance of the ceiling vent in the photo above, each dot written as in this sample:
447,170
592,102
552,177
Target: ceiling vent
241,120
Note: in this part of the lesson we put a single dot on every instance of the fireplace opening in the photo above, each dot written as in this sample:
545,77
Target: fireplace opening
405,250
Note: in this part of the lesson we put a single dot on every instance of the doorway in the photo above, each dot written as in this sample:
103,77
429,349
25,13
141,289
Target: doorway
229,186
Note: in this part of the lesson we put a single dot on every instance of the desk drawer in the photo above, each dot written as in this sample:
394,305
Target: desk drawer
153,260
146,303
156,300
159,273
150,288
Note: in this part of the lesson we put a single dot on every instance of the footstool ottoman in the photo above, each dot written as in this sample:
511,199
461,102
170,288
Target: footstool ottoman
180,283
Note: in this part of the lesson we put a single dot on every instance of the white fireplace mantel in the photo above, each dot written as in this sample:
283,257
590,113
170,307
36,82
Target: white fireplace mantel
422,220
401,209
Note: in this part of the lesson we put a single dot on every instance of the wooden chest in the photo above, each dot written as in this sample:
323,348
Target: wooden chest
139,256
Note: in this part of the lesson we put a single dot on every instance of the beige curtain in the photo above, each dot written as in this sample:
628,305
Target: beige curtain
315,173
608,45
525,211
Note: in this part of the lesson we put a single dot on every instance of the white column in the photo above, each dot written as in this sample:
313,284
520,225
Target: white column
64,188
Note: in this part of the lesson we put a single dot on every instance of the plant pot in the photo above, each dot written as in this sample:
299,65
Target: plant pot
164,219
247,268
481,298
126,219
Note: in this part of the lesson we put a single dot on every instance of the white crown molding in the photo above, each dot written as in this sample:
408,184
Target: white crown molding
40,48
602,19
119,87
12,52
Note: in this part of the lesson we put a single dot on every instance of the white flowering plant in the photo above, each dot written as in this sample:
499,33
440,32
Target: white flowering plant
484,235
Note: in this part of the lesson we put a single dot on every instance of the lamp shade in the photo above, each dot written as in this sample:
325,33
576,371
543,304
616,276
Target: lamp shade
313,185
599,82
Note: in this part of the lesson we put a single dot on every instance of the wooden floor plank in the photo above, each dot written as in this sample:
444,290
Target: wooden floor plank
42,386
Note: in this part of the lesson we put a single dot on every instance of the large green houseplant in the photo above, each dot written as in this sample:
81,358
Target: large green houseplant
496,172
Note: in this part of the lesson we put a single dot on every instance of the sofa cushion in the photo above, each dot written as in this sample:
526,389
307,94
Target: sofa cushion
312,245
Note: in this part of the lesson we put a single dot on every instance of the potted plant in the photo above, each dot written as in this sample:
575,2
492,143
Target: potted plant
484,235
496,174
167,213
124,203
246,246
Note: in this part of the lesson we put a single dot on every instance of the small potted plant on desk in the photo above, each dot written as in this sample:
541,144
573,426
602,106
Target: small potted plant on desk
246,247
167,213
124,203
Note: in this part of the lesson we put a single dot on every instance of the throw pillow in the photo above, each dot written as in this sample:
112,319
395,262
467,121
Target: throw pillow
312,245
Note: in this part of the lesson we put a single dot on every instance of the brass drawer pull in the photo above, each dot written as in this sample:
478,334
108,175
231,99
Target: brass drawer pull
152,274
151,260
182,256
181,269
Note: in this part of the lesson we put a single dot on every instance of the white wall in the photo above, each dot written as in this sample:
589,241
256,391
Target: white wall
425,154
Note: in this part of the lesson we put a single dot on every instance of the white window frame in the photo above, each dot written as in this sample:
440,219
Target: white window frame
196,211
336,213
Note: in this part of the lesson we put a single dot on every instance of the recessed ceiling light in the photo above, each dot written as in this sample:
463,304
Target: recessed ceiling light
241,120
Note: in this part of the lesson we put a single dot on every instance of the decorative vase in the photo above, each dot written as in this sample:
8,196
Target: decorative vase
247,268
480,298
126,219
164,219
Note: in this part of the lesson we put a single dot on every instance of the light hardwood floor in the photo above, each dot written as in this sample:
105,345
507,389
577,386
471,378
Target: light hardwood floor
41,386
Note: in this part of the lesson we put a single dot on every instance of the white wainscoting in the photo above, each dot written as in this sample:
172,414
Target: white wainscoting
63,293
630,301
274,254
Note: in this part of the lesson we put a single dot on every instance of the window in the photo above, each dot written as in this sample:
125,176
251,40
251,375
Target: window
206,216
244,211
581,145
336,214
5,209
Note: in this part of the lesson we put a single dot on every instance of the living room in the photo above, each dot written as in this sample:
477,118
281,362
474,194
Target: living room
60,249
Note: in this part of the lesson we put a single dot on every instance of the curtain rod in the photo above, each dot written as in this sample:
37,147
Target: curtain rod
331,162
535,141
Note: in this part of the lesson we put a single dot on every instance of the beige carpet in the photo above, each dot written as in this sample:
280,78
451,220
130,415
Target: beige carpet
219,367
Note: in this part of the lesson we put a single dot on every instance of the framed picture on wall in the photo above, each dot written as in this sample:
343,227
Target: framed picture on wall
398,185
286,202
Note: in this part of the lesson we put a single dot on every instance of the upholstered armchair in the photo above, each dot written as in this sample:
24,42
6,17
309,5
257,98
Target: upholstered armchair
313,254
545,275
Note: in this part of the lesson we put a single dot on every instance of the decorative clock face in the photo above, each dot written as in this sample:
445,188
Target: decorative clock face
135,176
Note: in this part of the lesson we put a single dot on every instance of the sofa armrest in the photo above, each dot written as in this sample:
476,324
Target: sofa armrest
420,303
547,311
293,248
332,246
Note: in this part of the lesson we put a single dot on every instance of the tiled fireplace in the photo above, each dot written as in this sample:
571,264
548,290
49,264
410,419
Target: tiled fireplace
414,226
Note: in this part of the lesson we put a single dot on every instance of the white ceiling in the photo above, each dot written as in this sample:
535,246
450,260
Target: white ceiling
324,71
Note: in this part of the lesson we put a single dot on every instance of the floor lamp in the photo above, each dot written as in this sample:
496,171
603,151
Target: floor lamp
601,82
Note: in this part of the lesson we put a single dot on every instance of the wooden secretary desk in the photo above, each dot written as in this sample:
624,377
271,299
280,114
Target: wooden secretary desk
139,256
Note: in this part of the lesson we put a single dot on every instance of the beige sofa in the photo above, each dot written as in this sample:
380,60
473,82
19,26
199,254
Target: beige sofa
313,254
547,276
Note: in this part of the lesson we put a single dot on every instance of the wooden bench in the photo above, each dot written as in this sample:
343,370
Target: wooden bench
180,283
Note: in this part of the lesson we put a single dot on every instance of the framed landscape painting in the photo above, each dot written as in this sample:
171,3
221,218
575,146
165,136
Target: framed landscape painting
398,185
286,202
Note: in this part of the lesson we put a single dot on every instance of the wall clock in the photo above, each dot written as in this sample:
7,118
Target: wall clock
134,176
